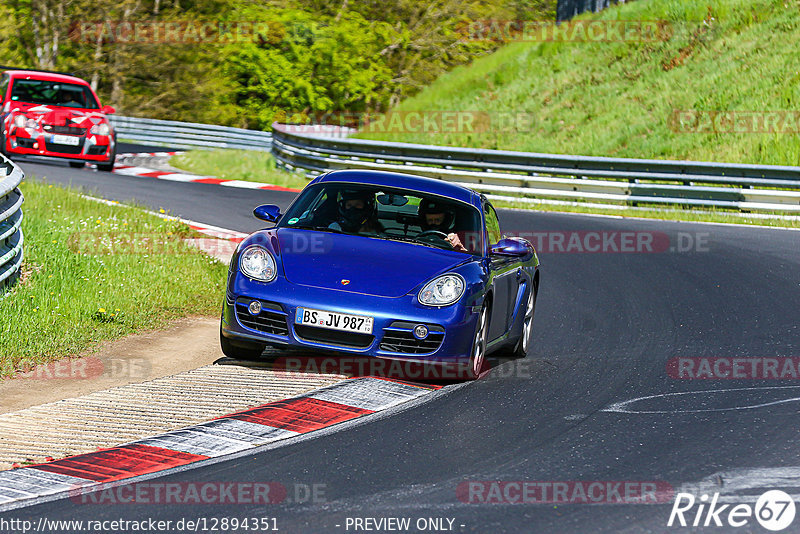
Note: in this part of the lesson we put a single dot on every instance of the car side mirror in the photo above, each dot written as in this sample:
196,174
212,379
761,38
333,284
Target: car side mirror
108,110
268,212
511,247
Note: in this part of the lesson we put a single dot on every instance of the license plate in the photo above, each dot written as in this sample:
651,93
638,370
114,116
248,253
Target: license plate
334,321
65,140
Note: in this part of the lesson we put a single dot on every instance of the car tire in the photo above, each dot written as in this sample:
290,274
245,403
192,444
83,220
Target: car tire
477,356
3,144
77,164
241,350
522,346
108,167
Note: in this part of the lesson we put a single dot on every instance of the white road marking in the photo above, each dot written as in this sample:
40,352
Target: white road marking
746,484
624,406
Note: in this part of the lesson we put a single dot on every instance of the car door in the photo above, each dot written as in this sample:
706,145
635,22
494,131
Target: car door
503,277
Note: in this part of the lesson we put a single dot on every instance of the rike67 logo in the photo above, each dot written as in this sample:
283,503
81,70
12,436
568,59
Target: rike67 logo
774,510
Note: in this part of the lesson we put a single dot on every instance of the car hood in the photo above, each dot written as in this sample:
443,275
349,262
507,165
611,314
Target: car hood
371,266
59,116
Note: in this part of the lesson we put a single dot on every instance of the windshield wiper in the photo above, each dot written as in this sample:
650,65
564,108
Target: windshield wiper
414,240
318,229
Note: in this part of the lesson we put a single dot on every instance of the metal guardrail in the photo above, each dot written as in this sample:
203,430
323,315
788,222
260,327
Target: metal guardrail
10,220
188,134
529,176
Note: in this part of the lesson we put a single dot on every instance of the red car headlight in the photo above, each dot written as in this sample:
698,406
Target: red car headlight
21,121
101,129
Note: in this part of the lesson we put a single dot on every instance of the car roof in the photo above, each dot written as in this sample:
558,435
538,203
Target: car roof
404,181
47,76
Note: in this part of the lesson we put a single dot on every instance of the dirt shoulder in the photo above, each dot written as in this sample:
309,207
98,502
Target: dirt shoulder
186,344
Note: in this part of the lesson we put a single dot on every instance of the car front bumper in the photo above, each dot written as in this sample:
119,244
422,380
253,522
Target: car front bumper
92,148
449,341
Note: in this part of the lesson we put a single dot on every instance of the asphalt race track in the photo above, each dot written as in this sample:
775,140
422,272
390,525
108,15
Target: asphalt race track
607,324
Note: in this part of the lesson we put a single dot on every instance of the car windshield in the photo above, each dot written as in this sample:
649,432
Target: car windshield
52,93
387,213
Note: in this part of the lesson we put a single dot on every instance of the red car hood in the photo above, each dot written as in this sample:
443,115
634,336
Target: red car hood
59,116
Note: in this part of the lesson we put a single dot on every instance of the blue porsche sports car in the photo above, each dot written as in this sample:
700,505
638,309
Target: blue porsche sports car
382,265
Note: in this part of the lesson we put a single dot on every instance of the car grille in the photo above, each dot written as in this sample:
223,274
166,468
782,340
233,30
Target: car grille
25,143
63,149
399,337
333,337
68,130
271,319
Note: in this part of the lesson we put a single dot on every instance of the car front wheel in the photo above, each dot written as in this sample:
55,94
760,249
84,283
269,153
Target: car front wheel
108,167
477,359
240,351
3,143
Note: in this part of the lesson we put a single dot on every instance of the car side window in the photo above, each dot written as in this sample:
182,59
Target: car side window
492,224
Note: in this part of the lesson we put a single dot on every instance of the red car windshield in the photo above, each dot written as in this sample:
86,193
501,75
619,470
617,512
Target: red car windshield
52,93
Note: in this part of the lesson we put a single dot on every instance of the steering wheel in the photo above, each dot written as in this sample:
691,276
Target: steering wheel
437,233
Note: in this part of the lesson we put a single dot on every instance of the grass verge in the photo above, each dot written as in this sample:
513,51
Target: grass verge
251,166
93,273
622,99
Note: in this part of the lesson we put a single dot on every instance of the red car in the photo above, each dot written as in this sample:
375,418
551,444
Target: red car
52,114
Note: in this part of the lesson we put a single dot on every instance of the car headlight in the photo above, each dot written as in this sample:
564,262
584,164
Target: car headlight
100,129
256,262
21,121
443,290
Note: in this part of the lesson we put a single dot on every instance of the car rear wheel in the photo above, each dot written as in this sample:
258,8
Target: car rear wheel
240,350
477,359
77,164
521,350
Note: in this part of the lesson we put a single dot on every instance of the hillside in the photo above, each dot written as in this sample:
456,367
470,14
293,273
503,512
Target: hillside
620,99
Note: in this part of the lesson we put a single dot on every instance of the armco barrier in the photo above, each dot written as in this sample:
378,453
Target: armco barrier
526,175
189,134
10,220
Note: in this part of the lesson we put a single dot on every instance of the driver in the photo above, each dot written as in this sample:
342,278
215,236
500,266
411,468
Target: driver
67,99
435,216
357,213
